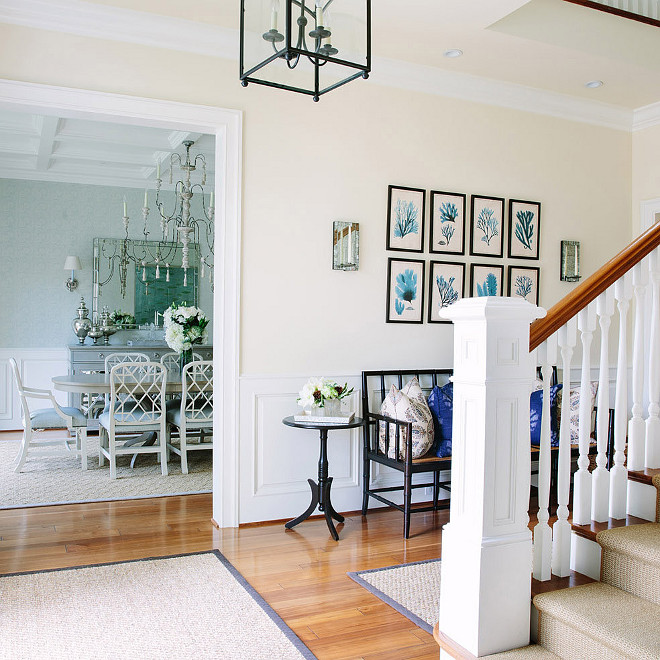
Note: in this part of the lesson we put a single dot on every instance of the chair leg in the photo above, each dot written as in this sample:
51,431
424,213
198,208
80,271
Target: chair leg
162,438
436,489
22,452
366,478
81,434
407,497
103,442
184,450
112,448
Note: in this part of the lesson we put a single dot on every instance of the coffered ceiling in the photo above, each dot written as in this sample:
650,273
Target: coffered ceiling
51,148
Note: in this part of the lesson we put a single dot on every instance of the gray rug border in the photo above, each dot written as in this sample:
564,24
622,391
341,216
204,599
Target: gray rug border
251,591
105,499
355,576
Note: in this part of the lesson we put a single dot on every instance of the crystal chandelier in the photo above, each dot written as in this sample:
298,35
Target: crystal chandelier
178,228
314,47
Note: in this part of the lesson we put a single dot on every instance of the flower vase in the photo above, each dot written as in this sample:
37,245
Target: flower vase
331,408
184,358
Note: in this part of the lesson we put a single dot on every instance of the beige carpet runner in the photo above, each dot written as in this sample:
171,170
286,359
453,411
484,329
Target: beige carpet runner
191,607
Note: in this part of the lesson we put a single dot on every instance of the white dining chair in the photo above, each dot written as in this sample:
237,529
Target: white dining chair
193,416
171,362
137,404
54,417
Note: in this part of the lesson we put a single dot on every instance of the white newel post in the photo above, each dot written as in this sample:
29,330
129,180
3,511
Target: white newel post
487,545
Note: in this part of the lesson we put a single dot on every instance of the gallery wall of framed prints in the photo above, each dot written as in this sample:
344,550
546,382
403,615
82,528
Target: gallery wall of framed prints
468,237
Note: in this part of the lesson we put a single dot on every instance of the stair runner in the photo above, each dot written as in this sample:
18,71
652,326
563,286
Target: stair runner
616,618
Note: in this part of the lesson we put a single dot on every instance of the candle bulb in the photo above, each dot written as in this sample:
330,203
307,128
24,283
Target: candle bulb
274,9
211,202
146,198
158,170
319,13
350,244
125,210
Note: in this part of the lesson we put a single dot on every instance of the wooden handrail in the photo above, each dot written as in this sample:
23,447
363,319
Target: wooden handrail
593,286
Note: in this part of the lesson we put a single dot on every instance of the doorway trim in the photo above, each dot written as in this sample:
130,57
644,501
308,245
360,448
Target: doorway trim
226,126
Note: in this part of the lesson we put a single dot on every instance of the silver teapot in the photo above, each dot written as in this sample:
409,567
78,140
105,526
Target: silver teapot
81,324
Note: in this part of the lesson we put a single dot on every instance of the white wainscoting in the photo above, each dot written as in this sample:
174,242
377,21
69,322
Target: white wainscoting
277,460
37,367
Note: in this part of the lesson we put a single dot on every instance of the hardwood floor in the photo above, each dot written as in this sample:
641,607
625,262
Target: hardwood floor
300,572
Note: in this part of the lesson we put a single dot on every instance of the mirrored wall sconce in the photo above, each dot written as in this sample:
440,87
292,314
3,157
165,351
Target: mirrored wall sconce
570,261
73,264
345,246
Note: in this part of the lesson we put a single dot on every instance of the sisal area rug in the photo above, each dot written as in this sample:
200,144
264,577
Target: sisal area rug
411,589
54,480
189,607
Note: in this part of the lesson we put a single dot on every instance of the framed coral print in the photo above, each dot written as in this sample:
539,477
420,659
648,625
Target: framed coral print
447,234
524,228
486,280
446,286
486,226
405,290
405,219
524,283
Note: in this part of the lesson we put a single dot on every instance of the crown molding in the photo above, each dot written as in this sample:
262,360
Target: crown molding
646,116
125,25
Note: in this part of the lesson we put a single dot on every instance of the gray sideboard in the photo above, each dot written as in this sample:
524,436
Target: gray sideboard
91,359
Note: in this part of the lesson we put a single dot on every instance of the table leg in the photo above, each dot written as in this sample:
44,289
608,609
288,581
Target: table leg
310,509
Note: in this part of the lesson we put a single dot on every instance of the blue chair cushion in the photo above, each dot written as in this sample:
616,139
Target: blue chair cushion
174,414
441,404
47,418
127,418
535,410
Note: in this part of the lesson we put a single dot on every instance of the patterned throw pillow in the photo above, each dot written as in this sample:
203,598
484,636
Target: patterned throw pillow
574,420
441,405
408,405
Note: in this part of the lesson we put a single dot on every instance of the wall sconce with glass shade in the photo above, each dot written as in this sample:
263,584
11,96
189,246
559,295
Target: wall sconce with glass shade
570,261
345,246
305,46
73,264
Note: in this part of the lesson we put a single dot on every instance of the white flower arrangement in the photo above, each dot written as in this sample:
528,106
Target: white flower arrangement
184,326
317,391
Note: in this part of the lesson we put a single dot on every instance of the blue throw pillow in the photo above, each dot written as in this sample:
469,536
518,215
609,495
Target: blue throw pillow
441,404
535,409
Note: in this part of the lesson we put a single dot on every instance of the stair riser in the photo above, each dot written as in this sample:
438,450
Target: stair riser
643,501
632,575
571,644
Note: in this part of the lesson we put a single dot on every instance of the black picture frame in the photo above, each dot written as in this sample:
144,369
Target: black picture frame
524,229
405,233
447,234
454,269
516,289
487,226
478,275
399,308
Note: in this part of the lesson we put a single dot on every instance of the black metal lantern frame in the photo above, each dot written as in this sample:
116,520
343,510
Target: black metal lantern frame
303,38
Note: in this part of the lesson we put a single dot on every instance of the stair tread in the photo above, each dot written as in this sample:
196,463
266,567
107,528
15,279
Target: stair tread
591,530
645,476
623,622
639,541
532,652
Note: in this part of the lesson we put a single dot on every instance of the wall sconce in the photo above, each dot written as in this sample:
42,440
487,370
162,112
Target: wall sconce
345,246
73,264
570,261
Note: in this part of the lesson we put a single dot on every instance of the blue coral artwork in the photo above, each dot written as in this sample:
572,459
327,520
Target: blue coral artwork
405,219
487,280
446,287
524,283
405,291
447,233
524,226
487,226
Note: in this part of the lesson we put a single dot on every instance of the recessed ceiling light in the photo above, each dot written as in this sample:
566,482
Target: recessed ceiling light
454,52
593,84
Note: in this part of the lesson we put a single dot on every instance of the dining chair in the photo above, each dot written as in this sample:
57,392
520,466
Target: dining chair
137,405
194,412
118,358
55,417
171,361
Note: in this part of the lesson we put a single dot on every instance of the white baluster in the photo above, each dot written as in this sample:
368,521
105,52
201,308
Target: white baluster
561,530
652,453
618,473
636,430
542,533
600,495
582,478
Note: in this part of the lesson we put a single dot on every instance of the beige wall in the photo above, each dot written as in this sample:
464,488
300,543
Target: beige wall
645,170
308,164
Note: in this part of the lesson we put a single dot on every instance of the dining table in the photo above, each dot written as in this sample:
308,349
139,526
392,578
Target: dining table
99,383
